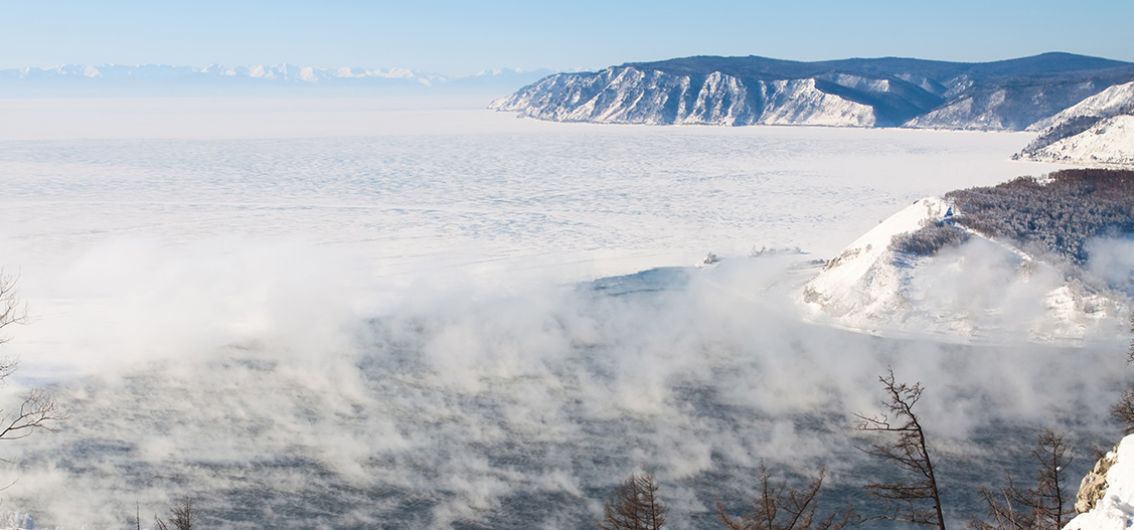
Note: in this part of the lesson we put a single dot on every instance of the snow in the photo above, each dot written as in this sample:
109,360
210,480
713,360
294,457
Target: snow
629,95
304,304
161,80
1109,142
1110,102
798,102
839,287
596,201
260,71
1116,509
985,290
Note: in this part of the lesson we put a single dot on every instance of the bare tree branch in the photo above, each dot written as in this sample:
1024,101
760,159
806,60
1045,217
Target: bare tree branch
634,505
1123,410
181,517
38,409
782,508
11,310
916,499
1130,354
1043,507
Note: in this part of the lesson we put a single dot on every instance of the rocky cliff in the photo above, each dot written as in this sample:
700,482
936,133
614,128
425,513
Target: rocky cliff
1002,95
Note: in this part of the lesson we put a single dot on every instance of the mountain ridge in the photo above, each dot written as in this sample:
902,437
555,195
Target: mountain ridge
1011,94
84,79
1097,130
1060,62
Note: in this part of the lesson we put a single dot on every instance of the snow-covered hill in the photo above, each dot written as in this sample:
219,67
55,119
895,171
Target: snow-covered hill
1098,130
628,94
983,289
1118,99
1003,95
1109,141
1004,108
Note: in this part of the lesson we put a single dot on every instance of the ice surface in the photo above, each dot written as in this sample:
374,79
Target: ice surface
428,192
313,313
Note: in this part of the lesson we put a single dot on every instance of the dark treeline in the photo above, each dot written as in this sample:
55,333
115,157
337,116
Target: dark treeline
930,239
1057,215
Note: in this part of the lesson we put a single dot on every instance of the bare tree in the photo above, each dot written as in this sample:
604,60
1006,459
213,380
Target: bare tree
11,310
1042,507
1130,353
634,505
181,517
38,409
1123,410
784,508
916,499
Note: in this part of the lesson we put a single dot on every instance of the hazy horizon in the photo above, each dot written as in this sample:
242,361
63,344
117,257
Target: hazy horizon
455,39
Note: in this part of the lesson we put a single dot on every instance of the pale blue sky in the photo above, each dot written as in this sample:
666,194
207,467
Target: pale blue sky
461,37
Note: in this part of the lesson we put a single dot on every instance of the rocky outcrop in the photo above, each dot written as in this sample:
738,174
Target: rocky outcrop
1106,496
1092,489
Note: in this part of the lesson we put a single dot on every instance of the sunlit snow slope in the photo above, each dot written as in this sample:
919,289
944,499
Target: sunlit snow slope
984,288
1097,131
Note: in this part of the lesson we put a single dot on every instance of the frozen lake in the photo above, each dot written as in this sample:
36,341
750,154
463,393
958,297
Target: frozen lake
349,314
455,188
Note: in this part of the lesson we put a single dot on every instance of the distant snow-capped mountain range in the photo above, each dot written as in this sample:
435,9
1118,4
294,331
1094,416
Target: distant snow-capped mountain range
1003,95
116,79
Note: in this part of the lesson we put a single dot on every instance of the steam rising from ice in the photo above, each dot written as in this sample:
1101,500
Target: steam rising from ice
475,399
1112,261
276,333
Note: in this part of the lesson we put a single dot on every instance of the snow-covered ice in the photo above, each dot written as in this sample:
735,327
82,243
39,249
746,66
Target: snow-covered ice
334,313
427,192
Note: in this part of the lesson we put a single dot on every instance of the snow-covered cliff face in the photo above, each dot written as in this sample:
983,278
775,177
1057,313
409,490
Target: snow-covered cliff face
981,290
1005,108
1098,130
1005,95
1106,495
1118,99
1109,142
629,95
